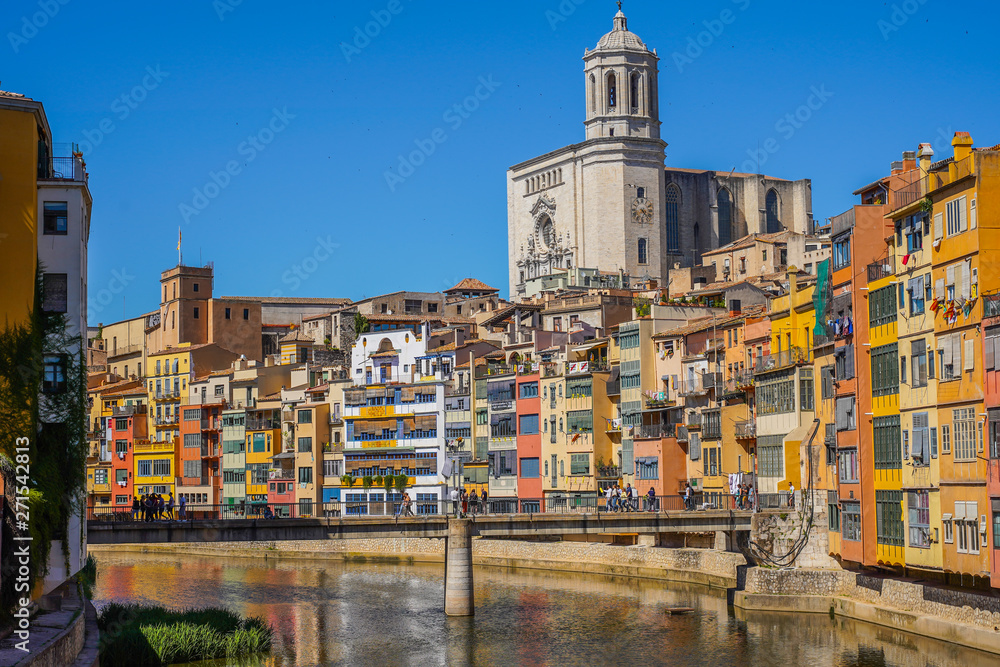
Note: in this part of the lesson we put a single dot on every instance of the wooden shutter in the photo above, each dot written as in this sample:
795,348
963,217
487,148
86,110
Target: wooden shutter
939,289
970,355
934,442
939,226
967,279
963,218
989,349
973,217
950,281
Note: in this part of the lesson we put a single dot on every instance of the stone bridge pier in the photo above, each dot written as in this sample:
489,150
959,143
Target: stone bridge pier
459,596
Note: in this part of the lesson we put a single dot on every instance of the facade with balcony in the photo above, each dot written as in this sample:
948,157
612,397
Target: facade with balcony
234,457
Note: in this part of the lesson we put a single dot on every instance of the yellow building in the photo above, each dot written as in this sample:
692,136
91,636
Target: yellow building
24,134
155,467
888,444
784,389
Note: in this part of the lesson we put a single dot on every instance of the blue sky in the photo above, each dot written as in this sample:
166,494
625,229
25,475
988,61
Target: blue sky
310,128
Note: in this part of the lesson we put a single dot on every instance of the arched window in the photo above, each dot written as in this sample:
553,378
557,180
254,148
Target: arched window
725,201
673,218
612,90
593,94
643,252
771,204
634,91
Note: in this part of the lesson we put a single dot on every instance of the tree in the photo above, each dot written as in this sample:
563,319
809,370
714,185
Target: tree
387,482
401,482
366,482
347,480
377,480
361,324
642,306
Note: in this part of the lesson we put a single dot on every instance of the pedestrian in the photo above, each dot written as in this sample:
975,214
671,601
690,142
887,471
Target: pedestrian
483,499
465,502
454,502
752,498
407,502
149,507
183,507
160,506
135,508
627,494
608,500
170,506
791,495
474,501
651,500
688,497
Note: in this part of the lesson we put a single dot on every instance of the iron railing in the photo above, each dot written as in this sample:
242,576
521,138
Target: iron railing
746,429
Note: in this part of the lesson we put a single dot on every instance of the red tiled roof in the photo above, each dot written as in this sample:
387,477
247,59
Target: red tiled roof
471,285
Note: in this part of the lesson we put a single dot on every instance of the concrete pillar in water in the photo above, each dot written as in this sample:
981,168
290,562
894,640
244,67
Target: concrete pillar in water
459,599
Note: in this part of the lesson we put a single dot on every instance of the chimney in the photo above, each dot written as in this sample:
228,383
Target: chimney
909,160
962,143
925,155
896,168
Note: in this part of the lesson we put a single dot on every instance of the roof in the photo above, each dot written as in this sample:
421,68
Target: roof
871,185
471,285
699,325
621,38
318,388
505,313
727,174
749,241
336,301
295,336
384,355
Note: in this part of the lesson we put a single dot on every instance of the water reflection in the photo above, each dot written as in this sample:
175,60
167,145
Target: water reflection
327,613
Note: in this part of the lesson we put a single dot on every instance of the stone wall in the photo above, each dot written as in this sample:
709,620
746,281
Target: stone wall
776,532
711,568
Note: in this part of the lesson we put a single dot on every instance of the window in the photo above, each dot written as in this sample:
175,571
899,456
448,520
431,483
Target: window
529,390
844,362
889,517
305,445
673,218
920,450
579,387
612,88
771,453
915,233
725,205
956,214
529,468
305,475
964,425
885,370
101,476
229,313
847,460
841,252
950,353
996,530
919,518
161,467
882,306
145,468
529,424
771,206
826,379
967,523
850,521
55,218
888,453
192,440
918,364
246,313
196,312
219,389
192,468
54,292
946,439
305,416
54,374
642,251
332,468
846,417
807,396
833,511
949,534
775,393
916,291
579,464
413,306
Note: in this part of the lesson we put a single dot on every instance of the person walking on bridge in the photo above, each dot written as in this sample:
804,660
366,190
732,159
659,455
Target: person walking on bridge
182,513
170,506
456,508
135,508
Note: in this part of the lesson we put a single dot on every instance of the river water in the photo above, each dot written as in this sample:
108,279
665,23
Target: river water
332,613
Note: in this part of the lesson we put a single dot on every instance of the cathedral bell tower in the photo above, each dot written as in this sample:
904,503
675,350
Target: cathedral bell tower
622,87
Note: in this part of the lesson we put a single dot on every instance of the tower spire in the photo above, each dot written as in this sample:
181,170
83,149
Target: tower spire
621,23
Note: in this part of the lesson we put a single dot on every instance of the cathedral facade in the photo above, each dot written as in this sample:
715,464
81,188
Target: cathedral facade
609,203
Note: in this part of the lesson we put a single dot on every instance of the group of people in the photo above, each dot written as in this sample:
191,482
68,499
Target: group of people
405,506
154,507
745,497
618,499
463,502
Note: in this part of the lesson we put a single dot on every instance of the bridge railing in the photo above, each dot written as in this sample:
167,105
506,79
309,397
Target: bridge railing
394,507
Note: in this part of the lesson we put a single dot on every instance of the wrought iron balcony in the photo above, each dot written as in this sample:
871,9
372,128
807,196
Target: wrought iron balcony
746,430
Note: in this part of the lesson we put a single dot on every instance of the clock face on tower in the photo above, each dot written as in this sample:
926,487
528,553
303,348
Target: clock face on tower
642,211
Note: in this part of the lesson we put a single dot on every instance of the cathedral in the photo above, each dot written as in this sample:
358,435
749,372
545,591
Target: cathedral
609,202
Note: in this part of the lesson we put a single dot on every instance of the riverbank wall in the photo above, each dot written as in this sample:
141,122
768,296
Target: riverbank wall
961,617
716,569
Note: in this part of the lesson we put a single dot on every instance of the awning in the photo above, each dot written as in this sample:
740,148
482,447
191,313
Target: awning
375,392
647,460
614,373
283,456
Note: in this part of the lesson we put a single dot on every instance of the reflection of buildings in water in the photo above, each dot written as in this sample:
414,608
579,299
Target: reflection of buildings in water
794,638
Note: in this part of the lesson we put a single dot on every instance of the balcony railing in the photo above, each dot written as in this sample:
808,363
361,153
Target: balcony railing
682,433
552,369
280,474
652,431
991,305
842,223
782,359
123,350
906,195
746,429
659,399
880,269
166,421
614,388
609,472
583,367
63,169
128,410
700,385
692,420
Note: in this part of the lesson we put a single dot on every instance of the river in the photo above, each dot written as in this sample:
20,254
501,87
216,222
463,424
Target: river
331,613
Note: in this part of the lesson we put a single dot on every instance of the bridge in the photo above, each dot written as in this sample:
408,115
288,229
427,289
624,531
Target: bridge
457,533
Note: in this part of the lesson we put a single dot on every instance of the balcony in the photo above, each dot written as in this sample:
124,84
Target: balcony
211,424
169,420
62,169
746,430
128,410
700,385
614,388
682,433
880,269
609,472
783,359
692,420
336,420
146,447
552,370
125,350
102,487
654,431
906,195
280,474
991,305
584,367
656,400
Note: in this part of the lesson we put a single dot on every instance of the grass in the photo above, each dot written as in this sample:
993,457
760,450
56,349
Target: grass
88,577
134,635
